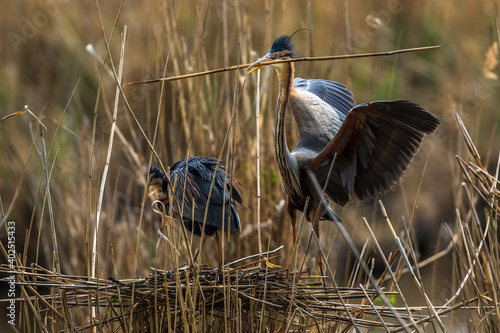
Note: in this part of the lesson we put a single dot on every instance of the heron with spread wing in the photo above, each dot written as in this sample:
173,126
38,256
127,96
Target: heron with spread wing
352,151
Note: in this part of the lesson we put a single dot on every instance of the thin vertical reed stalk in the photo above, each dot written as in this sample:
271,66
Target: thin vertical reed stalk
157,123
91,160
94,265
257,158
55,250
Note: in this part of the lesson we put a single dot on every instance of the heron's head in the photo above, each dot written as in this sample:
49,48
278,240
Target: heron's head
155,178
282,49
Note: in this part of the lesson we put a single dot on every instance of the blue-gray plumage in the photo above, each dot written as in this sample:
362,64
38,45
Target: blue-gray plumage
372,143
193,185
192,179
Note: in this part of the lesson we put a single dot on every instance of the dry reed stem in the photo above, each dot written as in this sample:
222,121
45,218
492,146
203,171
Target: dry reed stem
257,158
325,58
94,265
108,159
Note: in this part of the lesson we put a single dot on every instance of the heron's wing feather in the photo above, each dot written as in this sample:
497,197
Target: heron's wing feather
220,197
222,206
333,93
319,108
224,188
374,146
185,190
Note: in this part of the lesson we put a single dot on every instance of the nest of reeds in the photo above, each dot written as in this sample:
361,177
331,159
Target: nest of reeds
247,298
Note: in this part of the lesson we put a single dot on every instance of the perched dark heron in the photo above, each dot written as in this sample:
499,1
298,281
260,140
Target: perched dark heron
370,145
192,179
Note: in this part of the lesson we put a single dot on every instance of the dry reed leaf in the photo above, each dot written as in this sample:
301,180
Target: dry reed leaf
374,22
491,62
468,141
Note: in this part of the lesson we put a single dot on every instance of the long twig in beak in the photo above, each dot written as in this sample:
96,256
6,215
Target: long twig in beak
232,68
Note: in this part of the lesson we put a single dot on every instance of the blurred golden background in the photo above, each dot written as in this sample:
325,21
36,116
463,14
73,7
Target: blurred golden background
46,65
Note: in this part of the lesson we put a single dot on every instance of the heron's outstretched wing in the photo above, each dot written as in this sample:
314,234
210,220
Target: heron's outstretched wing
319,108
333,93
374,146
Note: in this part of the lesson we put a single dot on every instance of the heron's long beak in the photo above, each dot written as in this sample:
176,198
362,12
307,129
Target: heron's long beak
264,61
151,191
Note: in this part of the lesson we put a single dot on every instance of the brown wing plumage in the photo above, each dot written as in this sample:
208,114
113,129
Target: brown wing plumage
374,146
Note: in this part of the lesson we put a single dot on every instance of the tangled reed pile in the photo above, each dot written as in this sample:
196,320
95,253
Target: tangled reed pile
243,299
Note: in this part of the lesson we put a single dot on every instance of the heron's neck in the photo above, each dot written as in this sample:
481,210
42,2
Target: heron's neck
286,161
285,75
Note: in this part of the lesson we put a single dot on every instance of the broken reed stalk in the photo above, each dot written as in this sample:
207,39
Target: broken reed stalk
325,58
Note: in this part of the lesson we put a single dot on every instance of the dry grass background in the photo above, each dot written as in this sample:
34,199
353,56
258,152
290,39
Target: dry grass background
44,60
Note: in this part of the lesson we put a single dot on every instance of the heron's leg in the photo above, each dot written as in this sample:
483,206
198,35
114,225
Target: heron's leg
217,239
315,220
320,257
203,240
196,255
